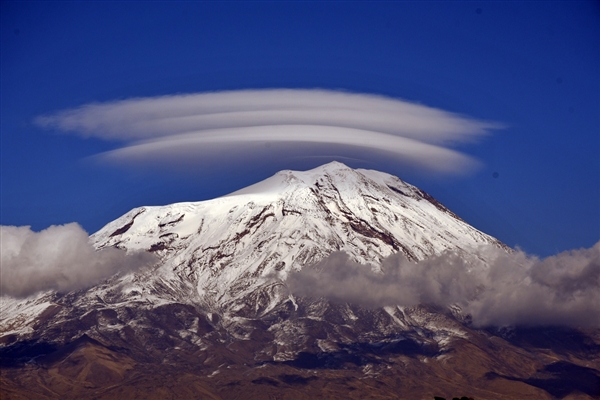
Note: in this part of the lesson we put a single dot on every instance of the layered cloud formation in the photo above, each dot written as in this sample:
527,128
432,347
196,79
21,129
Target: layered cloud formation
274,124
511,288
58,258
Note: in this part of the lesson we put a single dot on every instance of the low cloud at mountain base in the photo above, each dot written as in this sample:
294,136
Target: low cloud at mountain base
58,258
513,288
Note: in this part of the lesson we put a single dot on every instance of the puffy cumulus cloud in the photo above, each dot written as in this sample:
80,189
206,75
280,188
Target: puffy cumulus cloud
248,123
58,258
506,289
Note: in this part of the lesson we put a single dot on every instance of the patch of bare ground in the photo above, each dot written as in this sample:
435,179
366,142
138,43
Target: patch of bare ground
89,370
156,363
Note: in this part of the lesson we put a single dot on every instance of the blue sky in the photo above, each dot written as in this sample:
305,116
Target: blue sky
532,66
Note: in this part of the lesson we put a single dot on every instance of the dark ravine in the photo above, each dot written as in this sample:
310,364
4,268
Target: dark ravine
126,227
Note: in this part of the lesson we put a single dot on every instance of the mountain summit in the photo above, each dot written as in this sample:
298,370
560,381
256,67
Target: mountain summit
215,319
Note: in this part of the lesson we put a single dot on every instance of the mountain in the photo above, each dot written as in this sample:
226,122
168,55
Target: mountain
221,250
214,317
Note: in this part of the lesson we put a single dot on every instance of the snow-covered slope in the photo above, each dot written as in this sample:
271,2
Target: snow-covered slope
226,247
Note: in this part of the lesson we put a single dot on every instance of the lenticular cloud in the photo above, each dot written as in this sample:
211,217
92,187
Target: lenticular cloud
274,124
58,258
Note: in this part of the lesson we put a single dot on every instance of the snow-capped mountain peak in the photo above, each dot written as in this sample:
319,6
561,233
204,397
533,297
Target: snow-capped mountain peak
225,247
217,301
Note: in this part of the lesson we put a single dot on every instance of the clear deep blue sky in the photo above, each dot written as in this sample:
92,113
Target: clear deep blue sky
533,66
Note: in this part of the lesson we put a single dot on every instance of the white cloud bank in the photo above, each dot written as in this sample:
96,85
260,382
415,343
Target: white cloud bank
512,289
254,124
58,258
